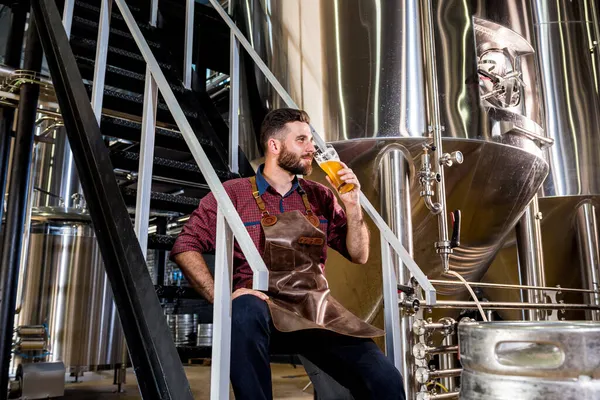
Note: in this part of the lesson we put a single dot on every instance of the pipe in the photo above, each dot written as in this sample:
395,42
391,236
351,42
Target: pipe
12,58
424,374
589,253
494,305
440,396
17,200
421,350
507,286
394,173
531,257
445,373
447,364
443,246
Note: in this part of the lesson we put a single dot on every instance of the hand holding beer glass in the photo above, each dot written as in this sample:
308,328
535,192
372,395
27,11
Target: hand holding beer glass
329,161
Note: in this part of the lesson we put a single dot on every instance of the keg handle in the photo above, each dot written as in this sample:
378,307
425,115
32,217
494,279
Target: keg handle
529,354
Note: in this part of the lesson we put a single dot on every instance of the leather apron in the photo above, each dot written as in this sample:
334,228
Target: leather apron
299,295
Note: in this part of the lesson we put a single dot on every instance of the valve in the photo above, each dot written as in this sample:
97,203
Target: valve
449,159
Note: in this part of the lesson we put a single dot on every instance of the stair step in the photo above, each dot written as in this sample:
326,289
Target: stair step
132,103
131,130
118,77
161,242
92,12
116,55
164,201
88,28
166,168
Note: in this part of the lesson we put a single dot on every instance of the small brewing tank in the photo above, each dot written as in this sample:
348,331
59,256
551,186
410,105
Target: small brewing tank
64,288
530,360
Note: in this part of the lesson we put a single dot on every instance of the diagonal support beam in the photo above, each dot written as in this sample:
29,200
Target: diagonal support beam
159,371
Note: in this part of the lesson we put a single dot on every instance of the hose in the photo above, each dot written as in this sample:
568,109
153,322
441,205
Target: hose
470,291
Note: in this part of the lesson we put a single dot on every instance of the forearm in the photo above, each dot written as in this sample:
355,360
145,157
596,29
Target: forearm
196,271
357,239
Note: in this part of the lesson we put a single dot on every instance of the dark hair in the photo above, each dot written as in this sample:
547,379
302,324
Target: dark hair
275,121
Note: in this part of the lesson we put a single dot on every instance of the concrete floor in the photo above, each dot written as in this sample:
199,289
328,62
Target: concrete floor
288,383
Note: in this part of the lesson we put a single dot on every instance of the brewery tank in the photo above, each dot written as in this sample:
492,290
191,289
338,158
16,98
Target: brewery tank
359,68
566,36
64,287
62,283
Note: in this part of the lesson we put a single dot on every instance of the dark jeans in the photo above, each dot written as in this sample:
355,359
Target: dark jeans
355,363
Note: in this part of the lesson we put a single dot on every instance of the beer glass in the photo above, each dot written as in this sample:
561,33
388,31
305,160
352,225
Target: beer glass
329,161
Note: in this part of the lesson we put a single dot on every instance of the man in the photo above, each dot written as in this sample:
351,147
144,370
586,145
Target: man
292,221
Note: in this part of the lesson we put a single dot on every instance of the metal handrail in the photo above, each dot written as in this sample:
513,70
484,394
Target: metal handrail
386,232
259,269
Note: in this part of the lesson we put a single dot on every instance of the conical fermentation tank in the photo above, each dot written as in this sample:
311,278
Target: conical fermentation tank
359,68
566,37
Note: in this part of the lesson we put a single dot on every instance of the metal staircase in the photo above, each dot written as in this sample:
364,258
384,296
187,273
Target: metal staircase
162,171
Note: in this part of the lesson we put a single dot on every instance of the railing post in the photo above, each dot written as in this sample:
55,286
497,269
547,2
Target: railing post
67,18
101,54
144,185
188,43
221,346
153,12
393,345
234,102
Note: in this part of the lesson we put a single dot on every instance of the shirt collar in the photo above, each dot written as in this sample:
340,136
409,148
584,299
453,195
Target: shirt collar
262,185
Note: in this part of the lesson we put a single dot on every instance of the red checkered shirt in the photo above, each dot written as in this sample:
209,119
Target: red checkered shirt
199,232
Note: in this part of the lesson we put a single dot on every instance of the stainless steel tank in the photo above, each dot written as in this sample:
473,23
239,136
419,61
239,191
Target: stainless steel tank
530,360
566,38
358,68
64,286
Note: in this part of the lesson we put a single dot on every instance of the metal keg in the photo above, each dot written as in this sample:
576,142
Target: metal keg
205,333
183,328
530,360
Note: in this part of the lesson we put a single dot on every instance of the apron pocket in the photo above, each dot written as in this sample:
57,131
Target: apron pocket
282,258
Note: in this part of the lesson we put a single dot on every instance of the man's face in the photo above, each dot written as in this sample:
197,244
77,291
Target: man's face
297,149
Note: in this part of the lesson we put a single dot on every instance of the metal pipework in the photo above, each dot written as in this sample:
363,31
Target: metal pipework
507,286
424,375
18,200
448,363
421,350
421,326
493,305
531,257
589,253
443,245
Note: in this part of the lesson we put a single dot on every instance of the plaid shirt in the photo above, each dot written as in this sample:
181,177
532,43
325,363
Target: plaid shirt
199,232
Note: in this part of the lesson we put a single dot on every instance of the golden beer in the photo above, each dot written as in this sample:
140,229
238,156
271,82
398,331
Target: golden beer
331,168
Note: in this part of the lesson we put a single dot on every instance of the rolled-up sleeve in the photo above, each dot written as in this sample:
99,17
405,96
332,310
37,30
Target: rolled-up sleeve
199,233
337,229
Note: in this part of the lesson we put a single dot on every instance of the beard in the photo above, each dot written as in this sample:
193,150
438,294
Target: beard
294,163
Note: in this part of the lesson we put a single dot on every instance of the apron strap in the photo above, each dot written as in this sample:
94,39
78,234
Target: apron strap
271,220
305,200
257,198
